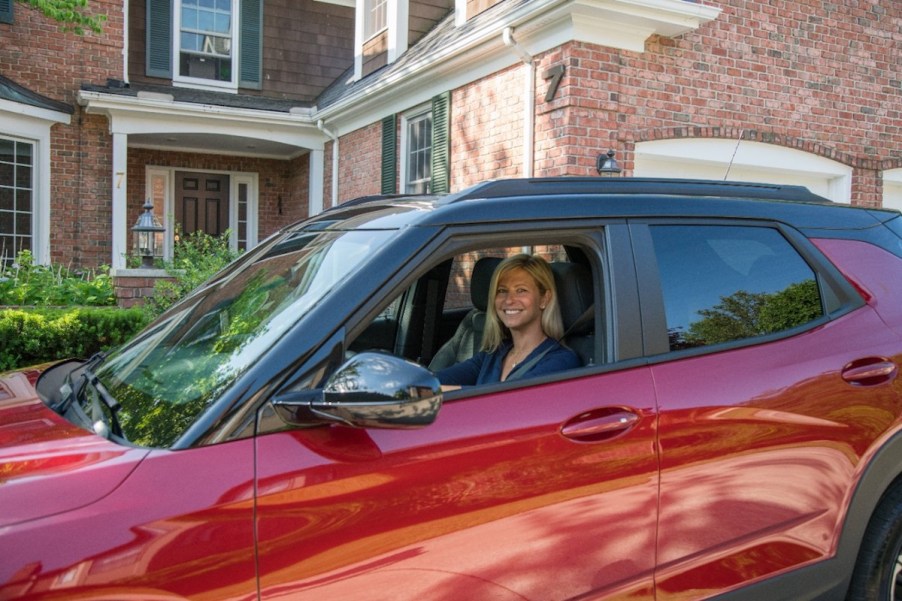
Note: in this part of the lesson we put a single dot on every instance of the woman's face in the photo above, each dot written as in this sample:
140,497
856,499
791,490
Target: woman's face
519,302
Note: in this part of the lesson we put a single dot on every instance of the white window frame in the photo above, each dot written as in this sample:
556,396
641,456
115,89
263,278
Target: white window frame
249,180
236,178
8,254
374,12
407,120
892,189
199,82
397,14
32,125
721,158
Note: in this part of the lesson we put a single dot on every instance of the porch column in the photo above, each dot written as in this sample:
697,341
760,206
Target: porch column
317,177
120,201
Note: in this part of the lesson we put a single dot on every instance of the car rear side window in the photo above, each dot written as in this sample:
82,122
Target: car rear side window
726,283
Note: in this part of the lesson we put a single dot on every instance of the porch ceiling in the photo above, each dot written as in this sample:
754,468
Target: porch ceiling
207,143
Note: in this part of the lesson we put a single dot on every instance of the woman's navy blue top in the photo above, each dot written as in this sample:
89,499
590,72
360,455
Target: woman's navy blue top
485,367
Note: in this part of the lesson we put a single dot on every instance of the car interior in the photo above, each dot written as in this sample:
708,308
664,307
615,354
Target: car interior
439,320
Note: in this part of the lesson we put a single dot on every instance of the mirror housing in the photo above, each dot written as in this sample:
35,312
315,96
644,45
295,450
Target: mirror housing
371,390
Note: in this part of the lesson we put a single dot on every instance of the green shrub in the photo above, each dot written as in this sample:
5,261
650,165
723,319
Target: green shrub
25,283
39,335
196,258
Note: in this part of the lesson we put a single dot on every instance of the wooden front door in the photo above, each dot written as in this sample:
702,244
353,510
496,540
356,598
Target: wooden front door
202,202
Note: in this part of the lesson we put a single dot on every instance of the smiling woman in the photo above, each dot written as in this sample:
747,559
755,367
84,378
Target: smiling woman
523,328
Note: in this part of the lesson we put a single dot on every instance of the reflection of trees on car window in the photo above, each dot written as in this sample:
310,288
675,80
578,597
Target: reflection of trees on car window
746,315
166,377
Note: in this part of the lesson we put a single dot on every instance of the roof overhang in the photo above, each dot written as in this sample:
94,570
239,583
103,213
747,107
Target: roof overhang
152,120
539,25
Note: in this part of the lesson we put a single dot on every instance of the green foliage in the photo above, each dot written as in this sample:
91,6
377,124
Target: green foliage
70,13
746,315
25,283
39,335
196,258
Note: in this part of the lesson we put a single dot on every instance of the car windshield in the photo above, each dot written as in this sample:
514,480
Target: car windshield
169,374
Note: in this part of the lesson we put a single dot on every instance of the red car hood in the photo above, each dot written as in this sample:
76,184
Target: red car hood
48,465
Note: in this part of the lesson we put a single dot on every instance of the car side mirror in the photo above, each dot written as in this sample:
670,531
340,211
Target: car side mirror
371,390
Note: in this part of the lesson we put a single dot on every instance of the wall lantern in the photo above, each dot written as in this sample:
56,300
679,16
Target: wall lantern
148,236
607,165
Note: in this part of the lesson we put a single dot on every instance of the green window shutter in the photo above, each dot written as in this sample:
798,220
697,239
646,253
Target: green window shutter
251,44
6,11
159,38
441,143
389,155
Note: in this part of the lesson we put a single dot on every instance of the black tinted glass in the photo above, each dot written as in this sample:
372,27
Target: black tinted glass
724,283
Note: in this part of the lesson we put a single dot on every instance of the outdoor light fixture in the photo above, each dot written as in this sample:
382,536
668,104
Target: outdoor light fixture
148,236
607,165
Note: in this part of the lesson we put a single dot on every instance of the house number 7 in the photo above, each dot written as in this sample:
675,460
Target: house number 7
555,74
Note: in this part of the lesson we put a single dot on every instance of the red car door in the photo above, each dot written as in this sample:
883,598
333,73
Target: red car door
543,492
760,451
766,424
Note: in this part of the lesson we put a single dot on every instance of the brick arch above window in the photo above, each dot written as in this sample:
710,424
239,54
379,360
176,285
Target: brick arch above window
747,159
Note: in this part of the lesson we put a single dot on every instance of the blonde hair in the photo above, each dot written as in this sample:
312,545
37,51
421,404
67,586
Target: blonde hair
538,268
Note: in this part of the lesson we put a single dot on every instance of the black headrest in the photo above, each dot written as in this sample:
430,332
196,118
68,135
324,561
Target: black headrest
481,280
574,291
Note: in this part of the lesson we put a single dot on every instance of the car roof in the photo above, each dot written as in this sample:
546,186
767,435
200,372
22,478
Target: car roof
518,200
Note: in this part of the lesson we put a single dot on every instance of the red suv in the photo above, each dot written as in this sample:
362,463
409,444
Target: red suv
733,428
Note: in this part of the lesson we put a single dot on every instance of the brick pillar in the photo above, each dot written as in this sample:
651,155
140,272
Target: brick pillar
132,288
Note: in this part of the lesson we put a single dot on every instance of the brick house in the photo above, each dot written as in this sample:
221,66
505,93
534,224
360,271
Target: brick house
250,114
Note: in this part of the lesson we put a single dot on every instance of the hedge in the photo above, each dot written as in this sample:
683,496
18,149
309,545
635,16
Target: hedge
29,336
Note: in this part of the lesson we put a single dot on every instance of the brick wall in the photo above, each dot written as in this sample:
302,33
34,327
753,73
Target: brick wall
820,77
35,53
360,165
814,76
487,128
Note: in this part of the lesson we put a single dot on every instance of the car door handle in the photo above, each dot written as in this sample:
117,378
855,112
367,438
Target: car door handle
600,424
869,371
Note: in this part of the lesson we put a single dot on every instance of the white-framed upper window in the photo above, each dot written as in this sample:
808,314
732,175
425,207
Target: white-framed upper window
892,189
206,41
416,151
376,18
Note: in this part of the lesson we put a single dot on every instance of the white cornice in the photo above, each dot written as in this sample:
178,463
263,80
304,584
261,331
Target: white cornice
540,25
156,113
34,112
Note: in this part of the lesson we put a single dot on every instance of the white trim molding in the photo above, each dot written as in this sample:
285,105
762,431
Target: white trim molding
721,158
32,125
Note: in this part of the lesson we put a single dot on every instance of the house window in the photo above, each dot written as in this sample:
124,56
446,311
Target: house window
376,17
206,41
417,153
16,189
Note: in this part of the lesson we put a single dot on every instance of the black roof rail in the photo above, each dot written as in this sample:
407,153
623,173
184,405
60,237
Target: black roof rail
635,185
375,197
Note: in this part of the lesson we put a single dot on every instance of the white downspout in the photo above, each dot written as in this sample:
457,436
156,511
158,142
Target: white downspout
322,128
125,41
529,101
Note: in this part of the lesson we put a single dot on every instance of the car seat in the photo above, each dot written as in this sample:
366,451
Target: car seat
576,299
467,339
